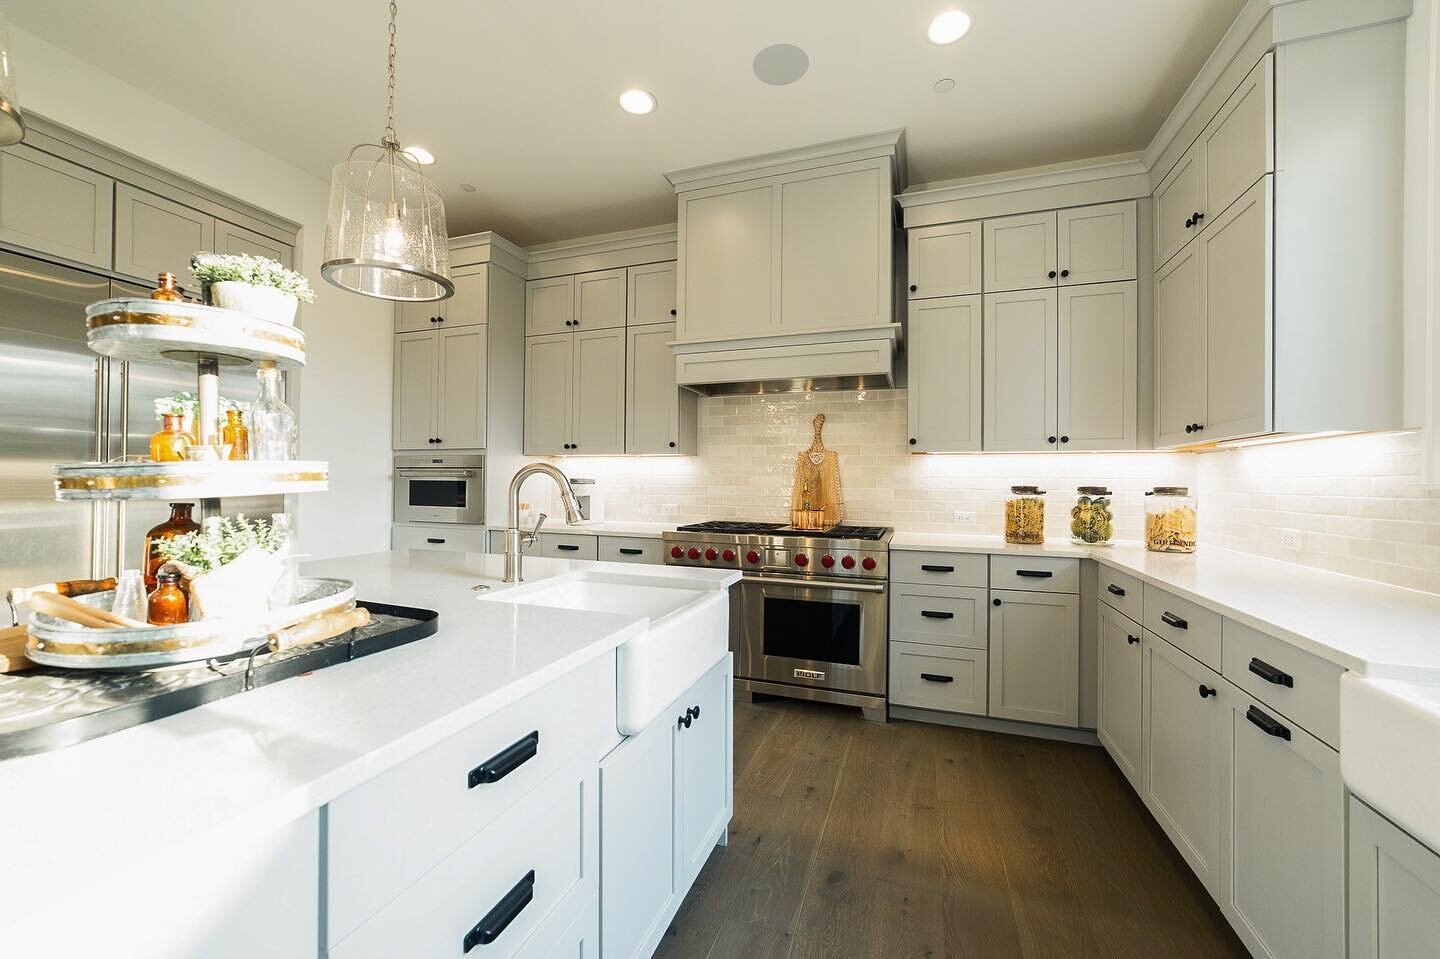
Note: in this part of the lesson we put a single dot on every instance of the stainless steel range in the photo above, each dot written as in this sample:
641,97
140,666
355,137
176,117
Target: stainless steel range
809,617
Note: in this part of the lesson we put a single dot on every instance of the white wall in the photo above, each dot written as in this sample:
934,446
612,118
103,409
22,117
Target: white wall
344,396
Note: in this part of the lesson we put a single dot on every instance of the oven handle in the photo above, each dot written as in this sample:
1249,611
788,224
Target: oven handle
434,474
831,583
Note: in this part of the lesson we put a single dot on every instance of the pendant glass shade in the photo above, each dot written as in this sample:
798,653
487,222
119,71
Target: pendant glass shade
385,234
12,124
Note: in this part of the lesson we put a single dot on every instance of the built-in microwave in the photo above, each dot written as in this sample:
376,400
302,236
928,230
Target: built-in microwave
431,488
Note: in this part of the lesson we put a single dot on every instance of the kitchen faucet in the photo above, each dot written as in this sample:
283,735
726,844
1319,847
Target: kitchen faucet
517,539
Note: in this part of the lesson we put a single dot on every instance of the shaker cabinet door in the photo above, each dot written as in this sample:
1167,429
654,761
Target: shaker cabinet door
1394,889
230,238
461,387
1021,370
1035,657
1097,243
835,255
600,300
471,302
1020,253
1237,259
598,417
702,773
416,394
946,364
1119,716
549,392
1177,199
549,305
1179,348
652,294
652,400
1098,357
154,235
53,206
1239,143
945,260
727,273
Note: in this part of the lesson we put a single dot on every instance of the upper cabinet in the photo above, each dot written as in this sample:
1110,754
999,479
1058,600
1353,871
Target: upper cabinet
1021,370
728,277
1096,243
1020,252
659,417
230,238
55,207
945,260
652,294
946,363
154,235
600,300
549,305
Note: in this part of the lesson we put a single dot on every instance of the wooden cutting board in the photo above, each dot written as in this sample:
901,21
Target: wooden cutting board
12,649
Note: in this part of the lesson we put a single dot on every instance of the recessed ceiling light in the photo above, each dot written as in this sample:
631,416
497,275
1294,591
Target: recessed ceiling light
468,187
422,156
949,27
637,102
781,63
944,85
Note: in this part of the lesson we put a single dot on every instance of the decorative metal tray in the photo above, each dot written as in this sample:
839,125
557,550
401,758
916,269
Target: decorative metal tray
58,642
134,328
168,481
46,708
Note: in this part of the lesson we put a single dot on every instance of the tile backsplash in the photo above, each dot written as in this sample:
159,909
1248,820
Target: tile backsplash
1357,502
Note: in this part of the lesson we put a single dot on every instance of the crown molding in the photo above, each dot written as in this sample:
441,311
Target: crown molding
1032,178
889,143
488,247
604,243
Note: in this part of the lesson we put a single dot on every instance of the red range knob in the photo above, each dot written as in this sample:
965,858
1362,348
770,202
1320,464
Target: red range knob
848,562
752,557
694,553
710,554
676,552
801,559
827,561
728,556
868,562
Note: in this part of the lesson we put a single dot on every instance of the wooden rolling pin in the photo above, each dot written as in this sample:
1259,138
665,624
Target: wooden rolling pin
313,631
63,607
67,587
12,650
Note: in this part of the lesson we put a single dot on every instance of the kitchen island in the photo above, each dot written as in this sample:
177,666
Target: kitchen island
210,832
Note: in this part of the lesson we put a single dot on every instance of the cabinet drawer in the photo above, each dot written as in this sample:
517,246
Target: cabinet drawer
1188,626
939,569
940,615
1042,574
568,546
629,549
1122,592
387,833
498,890
1305,688
940,678
460,538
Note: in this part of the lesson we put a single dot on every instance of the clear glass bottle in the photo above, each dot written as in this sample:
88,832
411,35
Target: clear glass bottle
1091,521
237,434
286,591
274,433
1025,516
168,604
1170,520
179,523
130,600
169,443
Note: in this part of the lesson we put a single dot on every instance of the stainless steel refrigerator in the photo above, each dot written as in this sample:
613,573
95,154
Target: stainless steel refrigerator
61,403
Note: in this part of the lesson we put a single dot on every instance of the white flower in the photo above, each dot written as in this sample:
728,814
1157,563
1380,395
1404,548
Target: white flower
210,268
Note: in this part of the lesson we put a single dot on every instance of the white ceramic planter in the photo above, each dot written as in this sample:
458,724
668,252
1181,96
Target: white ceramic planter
265,302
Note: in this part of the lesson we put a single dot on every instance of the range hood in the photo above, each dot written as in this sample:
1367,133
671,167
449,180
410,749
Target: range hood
787,269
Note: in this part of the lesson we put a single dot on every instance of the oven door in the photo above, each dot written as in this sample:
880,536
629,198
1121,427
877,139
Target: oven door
818,634
436,495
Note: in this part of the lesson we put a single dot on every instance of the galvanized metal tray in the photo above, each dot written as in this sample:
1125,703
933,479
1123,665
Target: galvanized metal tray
165,331
46,708
60,643
143,479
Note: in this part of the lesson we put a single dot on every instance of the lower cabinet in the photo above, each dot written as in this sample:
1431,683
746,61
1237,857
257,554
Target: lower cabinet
1394,890
945,678
665,799
1184,724
568,546
1120,719
463,539
1035,657
1282,855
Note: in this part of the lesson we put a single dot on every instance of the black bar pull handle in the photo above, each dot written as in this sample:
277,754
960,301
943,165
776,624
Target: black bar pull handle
434,539
568,547
1270,674
1034,573
1267,724
937,569
505,762
487,930
631,551
936,678
1114,590
936,614
1170,619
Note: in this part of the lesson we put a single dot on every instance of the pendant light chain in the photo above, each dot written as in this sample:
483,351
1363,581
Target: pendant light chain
390,135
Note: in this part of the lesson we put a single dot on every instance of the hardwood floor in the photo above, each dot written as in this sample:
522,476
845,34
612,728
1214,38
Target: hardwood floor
854,839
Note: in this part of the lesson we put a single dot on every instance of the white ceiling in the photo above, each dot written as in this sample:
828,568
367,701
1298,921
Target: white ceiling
518,97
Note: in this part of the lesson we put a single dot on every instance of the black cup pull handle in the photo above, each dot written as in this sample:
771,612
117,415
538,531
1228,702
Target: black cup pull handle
630,551
1270,674
936,614
1267,724
1035,573
938,569
1170,619
434,539
503,913
1114,590
567,547
936,678
505,762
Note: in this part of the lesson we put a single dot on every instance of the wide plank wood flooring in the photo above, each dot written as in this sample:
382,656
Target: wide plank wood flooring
855,839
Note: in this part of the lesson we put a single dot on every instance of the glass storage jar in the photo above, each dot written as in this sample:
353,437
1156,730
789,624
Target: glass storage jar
1091,521
1170,520
1025,516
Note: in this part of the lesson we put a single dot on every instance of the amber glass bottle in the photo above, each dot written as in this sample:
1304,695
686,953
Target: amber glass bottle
168,444
166,289
178,524
237,434
168,604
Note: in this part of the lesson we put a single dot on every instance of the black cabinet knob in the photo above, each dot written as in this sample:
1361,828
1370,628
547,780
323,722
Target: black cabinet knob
672,444
685,721
1189,222
673,313
1199,217
1189,427
439,439
1132,640
1064,272
1064,439
576,322
994,602
569,322
1051,274
912,441
1199,427
1051,439
913,287
1206,691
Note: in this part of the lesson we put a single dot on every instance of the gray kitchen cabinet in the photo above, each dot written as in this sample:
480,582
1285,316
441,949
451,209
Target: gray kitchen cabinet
1035,657
1021,370
1120,716
549,393
600,300
945,260
1098,361
440,378
946,374
549,305
728,271
944,679
1394,889
1096,243
569,545
1179,348
1020,252
414,317
630,549
469,304
155,235
413,418
651,297
1282,855
53,206
230,238
702,771
1183,761
659,415
599,385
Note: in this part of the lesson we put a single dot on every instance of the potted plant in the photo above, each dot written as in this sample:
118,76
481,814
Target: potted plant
232,565
251,284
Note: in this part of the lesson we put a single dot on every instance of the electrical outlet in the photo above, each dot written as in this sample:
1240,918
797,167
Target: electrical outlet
669,509
1290,538
965,516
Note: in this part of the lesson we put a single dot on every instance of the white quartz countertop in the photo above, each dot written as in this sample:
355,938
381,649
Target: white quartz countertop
600,528
84,814
1371,628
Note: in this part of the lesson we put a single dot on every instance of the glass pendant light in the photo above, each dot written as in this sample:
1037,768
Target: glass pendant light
12,124
385,234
